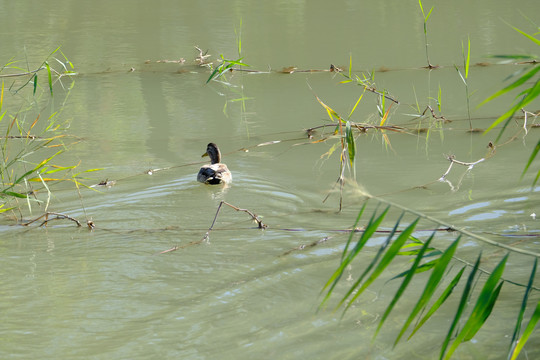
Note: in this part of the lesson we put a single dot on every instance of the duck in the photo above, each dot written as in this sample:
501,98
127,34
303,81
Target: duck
216,172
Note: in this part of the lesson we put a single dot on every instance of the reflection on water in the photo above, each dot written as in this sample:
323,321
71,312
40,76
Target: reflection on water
248,293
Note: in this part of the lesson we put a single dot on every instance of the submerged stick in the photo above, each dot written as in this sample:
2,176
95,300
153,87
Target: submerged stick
59,216
206,236
253,216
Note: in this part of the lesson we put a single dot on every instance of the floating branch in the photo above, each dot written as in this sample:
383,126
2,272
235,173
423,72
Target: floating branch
207,235
453,160
57,216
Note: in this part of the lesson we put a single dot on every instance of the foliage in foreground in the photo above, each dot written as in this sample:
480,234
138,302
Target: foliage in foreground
34,136
445,282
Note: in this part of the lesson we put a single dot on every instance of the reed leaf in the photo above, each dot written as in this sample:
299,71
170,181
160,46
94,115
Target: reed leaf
522,79
514,344
389,255
35,83
529,96
462,305
467,59
530,37
404,284
337,274
49,75
482,309
437,304
351,148
528,331
369,230
531,158
432,284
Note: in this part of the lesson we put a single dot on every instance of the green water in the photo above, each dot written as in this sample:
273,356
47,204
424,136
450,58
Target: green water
70,293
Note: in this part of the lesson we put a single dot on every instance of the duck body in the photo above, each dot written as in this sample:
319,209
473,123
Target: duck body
216,172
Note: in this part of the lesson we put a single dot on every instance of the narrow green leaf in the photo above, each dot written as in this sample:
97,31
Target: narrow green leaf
530,37
349,135
339,271
532,94
446,293
35,83
431,285
520,81
370,229
531,158
14,194
514,343
468,59
357,102
528,331
403,285
428,15
482,309
385,261
49,76
462,305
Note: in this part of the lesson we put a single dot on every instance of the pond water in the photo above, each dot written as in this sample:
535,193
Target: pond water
111,293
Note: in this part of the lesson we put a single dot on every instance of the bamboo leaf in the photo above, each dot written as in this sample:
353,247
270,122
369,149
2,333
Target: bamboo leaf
49,76
446,293
14,194
351,148
431,285
528,331
404,284
370,229
468,59
462,305
329,110
514,344
522,79
389,255
337,274
530,37
482,309
357,102
531,94
531,158
35,83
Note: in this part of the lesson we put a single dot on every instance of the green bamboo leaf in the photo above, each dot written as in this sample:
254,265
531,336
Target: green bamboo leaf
369,230
515,343
462,305
357,102
420,269
49,76
446,293
351,148
530,37
6,209
531,158
35,83
468,58
482,309
403,285
431,285
385,261
372,263
522,79
355,226
14,194
213,74
339,271
528,331
531,94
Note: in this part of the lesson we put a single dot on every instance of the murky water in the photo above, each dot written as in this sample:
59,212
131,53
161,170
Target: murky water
75,294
